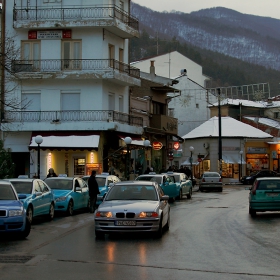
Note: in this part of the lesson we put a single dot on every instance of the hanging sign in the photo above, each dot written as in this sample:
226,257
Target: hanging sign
176,145
157,145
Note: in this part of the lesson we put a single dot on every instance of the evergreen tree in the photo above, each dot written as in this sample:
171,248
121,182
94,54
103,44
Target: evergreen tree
6,163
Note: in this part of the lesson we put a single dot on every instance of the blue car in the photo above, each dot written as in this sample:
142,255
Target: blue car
166,182
12,213
103,180
39,199
71,193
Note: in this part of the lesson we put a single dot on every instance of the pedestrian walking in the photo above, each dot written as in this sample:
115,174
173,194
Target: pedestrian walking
93,191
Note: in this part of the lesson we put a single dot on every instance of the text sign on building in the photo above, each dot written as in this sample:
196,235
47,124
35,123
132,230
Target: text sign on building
256,150
157,145
49,34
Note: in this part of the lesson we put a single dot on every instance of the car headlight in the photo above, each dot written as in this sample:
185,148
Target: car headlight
248,178
104,214
62,198
148,215
13,213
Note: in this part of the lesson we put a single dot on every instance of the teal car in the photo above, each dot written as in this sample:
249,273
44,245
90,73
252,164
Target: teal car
38,197
104,181
71,193
166,182
184,183
264,195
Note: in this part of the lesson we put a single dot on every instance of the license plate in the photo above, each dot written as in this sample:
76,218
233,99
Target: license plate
272,194
125,223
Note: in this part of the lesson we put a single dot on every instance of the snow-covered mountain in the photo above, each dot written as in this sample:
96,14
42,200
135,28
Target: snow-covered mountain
250,38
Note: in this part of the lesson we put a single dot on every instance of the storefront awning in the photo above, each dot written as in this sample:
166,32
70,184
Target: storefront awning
88,142
233,158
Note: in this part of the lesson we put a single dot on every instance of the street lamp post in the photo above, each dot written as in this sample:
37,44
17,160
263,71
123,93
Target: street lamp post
241,153
191,161
39,141
127,141
146,144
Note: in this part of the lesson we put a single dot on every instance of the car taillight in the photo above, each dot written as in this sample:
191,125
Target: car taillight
203,180
220,180
253,192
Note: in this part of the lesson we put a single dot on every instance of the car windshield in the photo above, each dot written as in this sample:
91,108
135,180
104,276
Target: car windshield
268,185
100,181
6,193
132,192
22,187
149,178
177,178
212,174
60,184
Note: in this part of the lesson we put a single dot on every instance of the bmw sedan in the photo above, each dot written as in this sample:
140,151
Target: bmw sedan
12,213
133,206
249,179
264,195
104,181
71,193
39,199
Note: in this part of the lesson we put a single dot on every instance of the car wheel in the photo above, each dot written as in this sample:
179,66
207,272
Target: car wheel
180,196
29,214
70,208
158,234
99,234
27,229
51,212
252,212
189,195
220,189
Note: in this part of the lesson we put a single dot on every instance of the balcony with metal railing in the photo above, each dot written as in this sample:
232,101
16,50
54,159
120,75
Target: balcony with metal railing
110,17
65,119
76,69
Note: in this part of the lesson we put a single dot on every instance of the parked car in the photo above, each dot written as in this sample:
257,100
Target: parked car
39,198
133,206
104,180
185,184
166,182
13,218
210,181
71,193
264,195
249,179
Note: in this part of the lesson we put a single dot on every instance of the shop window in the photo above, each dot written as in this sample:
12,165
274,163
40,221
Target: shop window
79,166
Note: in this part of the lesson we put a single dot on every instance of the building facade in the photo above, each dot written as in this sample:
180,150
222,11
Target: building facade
71,78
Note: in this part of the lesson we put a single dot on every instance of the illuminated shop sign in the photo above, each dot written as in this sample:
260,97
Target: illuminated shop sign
49,34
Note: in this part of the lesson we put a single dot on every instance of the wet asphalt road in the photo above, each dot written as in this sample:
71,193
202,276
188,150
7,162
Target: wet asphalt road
211,236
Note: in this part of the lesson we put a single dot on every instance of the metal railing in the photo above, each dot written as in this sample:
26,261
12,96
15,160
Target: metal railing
58,65
74,13
72,116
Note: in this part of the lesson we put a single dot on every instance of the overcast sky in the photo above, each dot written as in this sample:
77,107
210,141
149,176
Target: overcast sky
266,8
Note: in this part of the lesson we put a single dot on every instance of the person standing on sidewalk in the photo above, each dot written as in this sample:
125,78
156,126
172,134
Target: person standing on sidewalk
93,191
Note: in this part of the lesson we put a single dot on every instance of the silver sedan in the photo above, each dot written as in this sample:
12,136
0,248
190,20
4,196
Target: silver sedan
133,206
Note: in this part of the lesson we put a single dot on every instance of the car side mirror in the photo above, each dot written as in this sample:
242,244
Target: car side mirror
22,196
164,197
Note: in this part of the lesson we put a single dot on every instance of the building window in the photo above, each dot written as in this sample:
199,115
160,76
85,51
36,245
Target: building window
111,55
120,103
71,55
276,115
158,108
197,105
31,101
70,101
30,54
111,101
79,166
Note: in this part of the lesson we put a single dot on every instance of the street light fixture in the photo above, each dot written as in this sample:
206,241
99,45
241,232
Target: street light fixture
191,161
127,141
241,153
39,141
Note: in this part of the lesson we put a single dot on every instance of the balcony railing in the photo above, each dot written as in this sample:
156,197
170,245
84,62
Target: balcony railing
72,116
71,13
58,65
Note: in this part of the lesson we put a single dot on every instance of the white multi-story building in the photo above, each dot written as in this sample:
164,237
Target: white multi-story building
72,77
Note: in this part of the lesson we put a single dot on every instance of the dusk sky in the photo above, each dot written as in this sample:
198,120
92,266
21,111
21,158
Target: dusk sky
267,8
